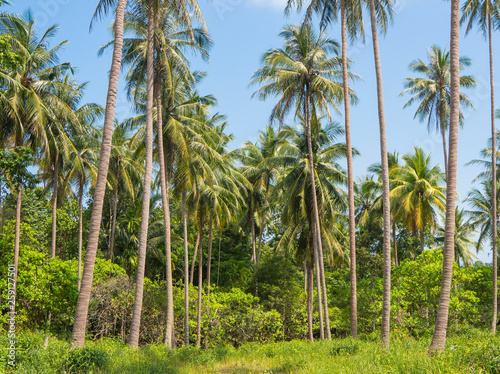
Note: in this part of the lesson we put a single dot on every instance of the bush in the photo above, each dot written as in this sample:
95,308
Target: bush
86,359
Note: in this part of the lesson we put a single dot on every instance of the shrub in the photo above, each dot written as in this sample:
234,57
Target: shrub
86,359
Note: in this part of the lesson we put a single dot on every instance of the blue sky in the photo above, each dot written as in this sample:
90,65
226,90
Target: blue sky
243,30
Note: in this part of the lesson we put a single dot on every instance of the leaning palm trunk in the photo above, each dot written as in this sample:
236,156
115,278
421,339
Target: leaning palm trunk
317,242
82,306
386,205
143,236
493,184
80,230
54,207
166,221
350,175
200,284
439,338
186,271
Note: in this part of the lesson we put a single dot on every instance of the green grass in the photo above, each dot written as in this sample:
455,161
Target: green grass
473,351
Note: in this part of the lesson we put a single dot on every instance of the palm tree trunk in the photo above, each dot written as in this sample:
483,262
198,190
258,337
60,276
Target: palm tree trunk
493,185
254,256
143,236
17,239
113,220
439,338
320,299
186,270
82,306
166,218
200,284
195,254
422,240
80,230
310,291
396,262
209,265
386,205
256,267
317,241
443,135
350,176
54,207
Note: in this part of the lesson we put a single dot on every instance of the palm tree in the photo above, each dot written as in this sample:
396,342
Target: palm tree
465,231
486,14
302,74
419,192
82,306
294,189
439,337
480,212
433,91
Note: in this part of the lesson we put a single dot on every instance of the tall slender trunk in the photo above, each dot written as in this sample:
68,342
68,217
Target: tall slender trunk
350,175
443,136
186,270
422,240
17,237
317,241
254,255
143,236
113,220
82,306
256,267
195,254
310,291
80,230
396,262
320,299
386,205
166,218
209,265
209,254
493,185
54,207
200,284
439,338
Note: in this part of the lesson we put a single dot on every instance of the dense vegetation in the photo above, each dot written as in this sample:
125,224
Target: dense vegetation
153,231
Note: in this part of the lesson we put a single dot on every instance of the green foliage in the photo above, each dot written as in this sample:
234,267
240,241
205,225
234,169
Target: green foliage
14,168
86,359
8,59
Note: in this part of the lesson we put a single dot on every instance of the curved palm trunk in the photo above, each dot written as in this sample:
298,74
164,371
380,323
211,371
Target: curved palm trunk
439,338
386,205
82,306
113,220
54,207
350,176
80,230
200,285
143,236
186,271
166,220
317,242
493,185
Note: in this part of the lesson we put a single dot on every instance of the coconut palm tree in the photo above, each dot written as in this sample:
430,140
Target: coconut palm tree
433,91
419,192
82,306
294,190
439,337
304,78
486,14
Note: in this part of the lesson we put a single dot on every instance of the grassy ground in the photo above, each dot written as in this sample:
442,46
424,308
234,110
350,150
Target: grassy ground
472,352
